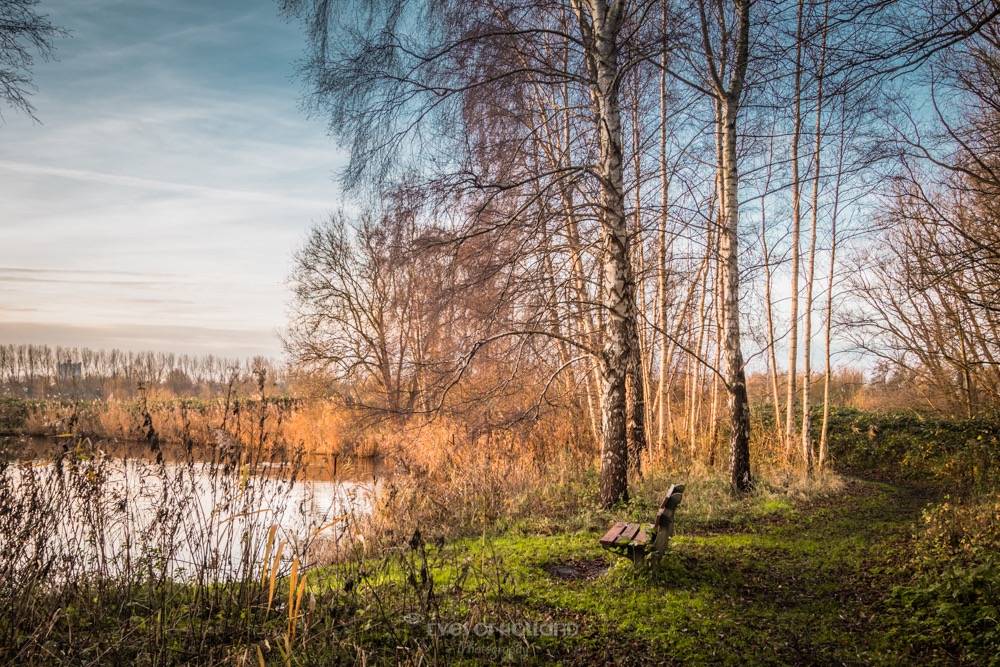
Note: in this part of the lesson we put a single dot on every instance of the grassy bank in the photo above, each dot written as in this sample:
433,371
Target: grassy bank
773,580
494,558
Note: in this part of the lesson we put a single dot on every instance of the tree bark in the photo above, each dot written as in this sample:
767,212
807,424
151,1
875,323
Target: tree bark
829,326
739,406
661,264
637,380
793,334
807,443
600,24
769,308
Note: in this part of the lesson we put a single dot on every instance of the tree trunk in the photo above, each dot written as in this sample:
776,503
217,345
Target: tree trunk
768,298
739,406
807,443
636,403
824,430
695,361
661,265
601,30
793,333
637,381
828,371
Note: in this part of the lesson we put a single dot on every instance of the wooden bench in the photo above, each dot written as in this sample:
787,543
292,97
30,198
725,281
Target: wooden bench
639,541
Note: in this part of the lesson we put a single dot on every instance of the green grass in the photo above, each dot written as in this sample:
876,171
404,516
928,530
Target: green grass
850,571
857,573
778,582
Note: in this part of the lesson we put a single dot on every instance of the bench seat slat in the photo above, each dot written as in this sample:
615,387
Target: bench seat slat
613,533
630,531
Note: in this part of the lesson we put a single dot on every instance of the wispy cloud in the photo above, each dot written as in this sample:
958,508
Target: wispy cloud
56,271
152,184
170,180
92,282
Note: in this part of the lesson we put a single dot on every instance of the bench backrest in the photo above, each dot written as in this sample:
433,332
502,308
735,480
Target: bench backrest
665,517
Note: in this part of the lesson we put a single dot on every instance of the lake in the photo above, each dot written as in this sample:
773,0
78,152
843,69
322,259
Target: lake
126,510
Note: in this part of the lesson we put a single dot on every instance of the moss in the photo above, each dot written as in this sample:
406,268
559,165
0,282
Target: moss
778,581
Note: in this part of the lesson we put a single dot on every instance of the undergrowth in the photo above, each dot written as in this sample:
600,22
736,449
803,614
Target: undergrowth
482,548
951,574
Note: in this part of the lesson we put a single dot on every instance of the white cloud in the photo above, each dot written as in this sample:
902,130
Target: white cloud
157,185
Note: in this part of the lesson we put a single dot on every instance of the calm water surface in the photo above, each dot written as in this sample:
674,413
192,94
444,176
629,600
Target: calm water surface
202,512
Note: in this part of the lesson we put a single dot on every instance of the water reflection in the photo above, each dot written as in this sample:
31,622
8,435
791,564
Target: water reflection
123,510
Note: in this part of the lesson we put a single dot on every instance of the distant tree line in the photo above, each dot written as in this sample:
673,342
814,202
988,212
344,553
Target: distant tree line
41,371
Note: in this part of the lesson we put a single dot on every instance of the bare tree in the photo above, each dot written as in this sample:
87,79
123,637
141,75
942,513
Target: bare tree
452,104
347,290
24,35
930,297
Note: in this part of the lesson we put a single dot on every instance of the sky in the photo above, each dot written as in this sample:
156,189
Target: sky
157,203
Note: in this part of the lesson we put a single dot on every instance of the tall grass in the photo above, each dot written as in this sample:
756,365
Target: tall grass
112,560
313,426
199,548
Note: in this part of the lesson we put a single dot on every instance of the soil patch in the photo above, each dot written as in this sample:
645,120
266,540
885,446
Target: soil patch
574,569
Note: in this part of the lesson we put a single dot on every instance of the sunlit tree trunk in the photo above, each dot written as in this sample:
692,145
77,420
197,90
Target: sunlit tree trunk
739,406
769,299
807,444
600,23
661,265
793,318
695,364
637,380
828,368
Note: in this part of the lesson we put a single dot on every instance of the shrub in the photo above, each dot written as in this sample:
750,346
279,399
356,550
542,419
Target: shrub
954,592
13,414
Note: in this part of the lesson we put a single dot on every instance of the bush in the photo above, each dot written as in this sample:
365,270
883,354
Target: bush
954,591
13,414
963,452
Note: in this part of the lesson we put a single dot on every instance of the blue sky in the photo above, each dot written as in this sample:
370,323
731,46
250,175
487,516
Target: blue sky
157,204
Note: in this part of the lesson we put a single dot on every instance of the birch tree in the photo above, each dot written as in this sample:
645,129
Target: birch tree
723,31
796,186
430,100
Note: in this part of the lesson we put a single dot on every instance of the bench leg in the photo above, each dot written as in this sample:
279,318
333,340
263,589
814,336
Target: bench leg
644,559
655,556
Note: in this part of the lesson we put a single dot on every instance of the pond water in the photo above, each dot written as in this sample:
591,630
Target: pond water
123,510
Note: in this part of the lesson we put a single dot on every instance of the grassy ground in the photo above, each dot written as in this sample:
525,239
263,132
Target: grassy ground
890,563
777,582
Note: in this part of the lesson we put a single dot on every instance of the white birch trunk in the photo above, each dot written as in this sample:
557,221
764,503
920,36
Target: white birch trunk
793,334
600,23
739,407
807,444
